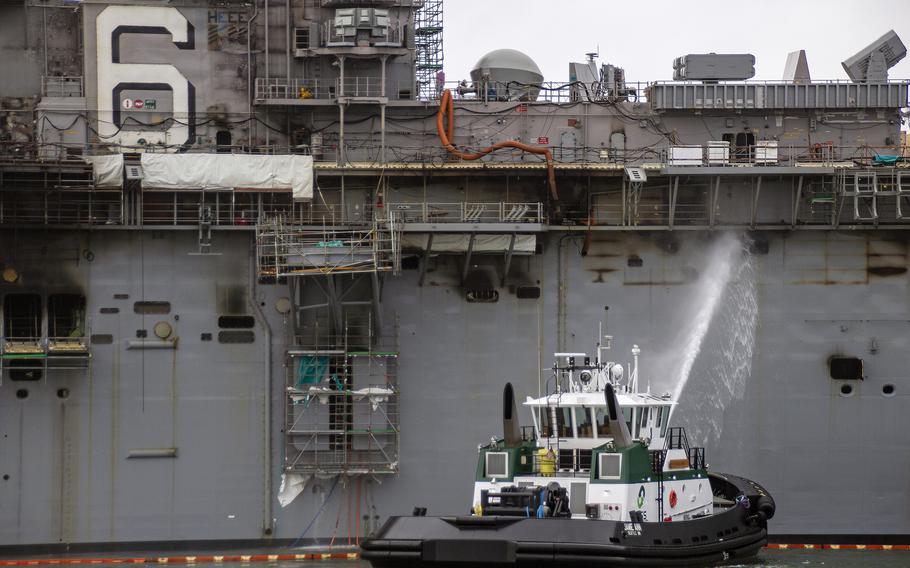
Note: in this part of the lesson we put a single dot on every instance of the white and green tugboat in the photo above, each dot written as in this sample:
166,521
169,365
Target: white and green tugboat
600,479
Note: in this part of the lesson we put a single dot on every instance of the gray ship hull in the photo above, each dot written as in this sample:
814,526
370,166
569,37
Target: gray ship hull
71,478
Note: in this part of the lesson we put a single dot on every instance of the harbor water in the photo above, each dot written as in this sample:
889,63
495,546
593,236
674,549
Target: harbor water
766,559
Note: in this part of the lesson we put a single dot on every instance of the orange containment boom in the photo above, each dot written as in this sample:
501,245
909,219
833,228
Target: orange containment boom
447,133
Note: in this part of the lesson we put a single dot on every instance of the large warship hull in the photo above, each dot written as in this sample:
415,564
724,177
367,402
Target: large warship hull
437,277
70,482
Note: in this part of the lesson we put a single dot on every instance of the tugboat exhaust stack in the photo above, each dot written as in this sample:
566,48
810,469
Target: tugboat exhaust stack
511,428
622,438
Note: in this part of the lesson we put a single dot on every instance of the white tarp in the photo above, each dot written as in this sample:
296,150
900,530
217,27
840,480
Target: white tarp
442,242
229,171
292,485
107,170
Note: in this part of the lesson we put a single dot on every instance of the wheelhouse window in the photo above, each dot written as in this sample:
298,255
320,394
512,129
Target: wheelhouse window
583,422
662,415
628,415
22,317
603,423
643,417
66,316
564,422
544,422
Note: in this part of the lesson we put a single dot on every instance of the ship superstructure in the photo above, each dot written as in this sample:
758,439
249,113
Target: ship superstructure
245,250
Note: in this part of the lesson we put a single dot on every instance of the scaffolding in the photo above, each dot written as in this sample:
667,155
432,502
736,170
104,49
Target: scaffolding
429,48
285,249
342,402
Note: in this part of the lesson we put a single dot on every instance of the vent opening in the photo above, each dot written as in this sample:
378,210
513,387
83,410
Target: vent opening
152,307
236,337
25,370
482,295
528,292
236,322
846,368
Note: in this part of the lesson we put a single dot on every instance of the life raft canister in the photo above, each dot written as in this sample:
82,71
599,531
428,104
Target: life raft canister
547,460
673,498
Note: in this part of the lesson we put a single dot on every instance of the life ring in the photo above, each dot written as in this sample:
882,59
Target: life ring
673,499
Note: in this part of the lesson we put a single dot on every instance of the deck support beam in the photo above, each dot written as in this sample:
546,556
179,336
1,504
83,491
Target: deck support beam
756,192
797,197
425,261
674,192
508,263
467,258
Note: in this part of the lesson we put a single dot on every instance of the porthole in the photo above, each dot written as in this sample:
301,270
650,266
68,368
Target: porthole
22,394
888,390
63,393
846,390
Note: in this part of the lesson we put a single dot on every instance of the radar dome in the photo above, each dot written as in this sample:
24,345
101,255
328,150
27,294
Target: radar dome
506,72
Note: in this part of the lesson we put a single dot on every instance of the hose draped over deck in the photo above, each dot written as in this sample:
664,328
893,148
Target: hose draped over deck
447,133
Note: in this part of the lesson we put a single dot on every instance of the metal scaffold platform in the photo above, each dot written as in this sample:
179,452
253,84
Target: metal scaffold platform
428,29
342,402
286,250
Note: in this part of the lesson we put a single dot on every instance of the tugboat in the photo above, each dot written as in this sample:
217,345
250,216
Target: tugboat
600,479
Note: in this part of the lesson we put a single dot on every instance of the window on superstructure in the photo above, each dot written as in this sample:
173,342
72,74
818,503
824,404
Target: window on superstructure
66,315
301,38
665,419
628,416
643,417
22,317
564,422
603,422
583,421
544,421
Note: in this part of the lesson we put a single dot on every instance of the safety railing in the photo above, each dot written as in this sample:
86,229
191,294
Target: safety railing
772,153
301,90
547,91
61,207
272,88
467,212
61,86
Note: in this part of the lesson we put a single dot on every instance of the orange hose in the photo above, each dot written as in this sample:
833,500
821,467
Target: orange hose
447,133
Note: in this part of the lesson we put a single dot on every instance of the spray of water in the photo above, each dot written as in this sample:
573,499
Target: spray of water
707,298
718,380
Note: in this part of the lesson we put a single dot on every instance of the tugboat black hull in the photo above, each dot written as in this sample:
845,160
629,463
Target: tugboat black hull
734,534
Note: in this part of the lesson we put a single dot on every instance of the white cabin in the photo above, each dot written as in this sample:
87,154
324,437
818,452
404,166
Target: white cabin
571,422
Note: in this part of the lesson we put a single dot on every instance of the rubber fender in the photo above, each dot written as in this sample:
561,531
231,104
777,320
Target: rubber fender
766,505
